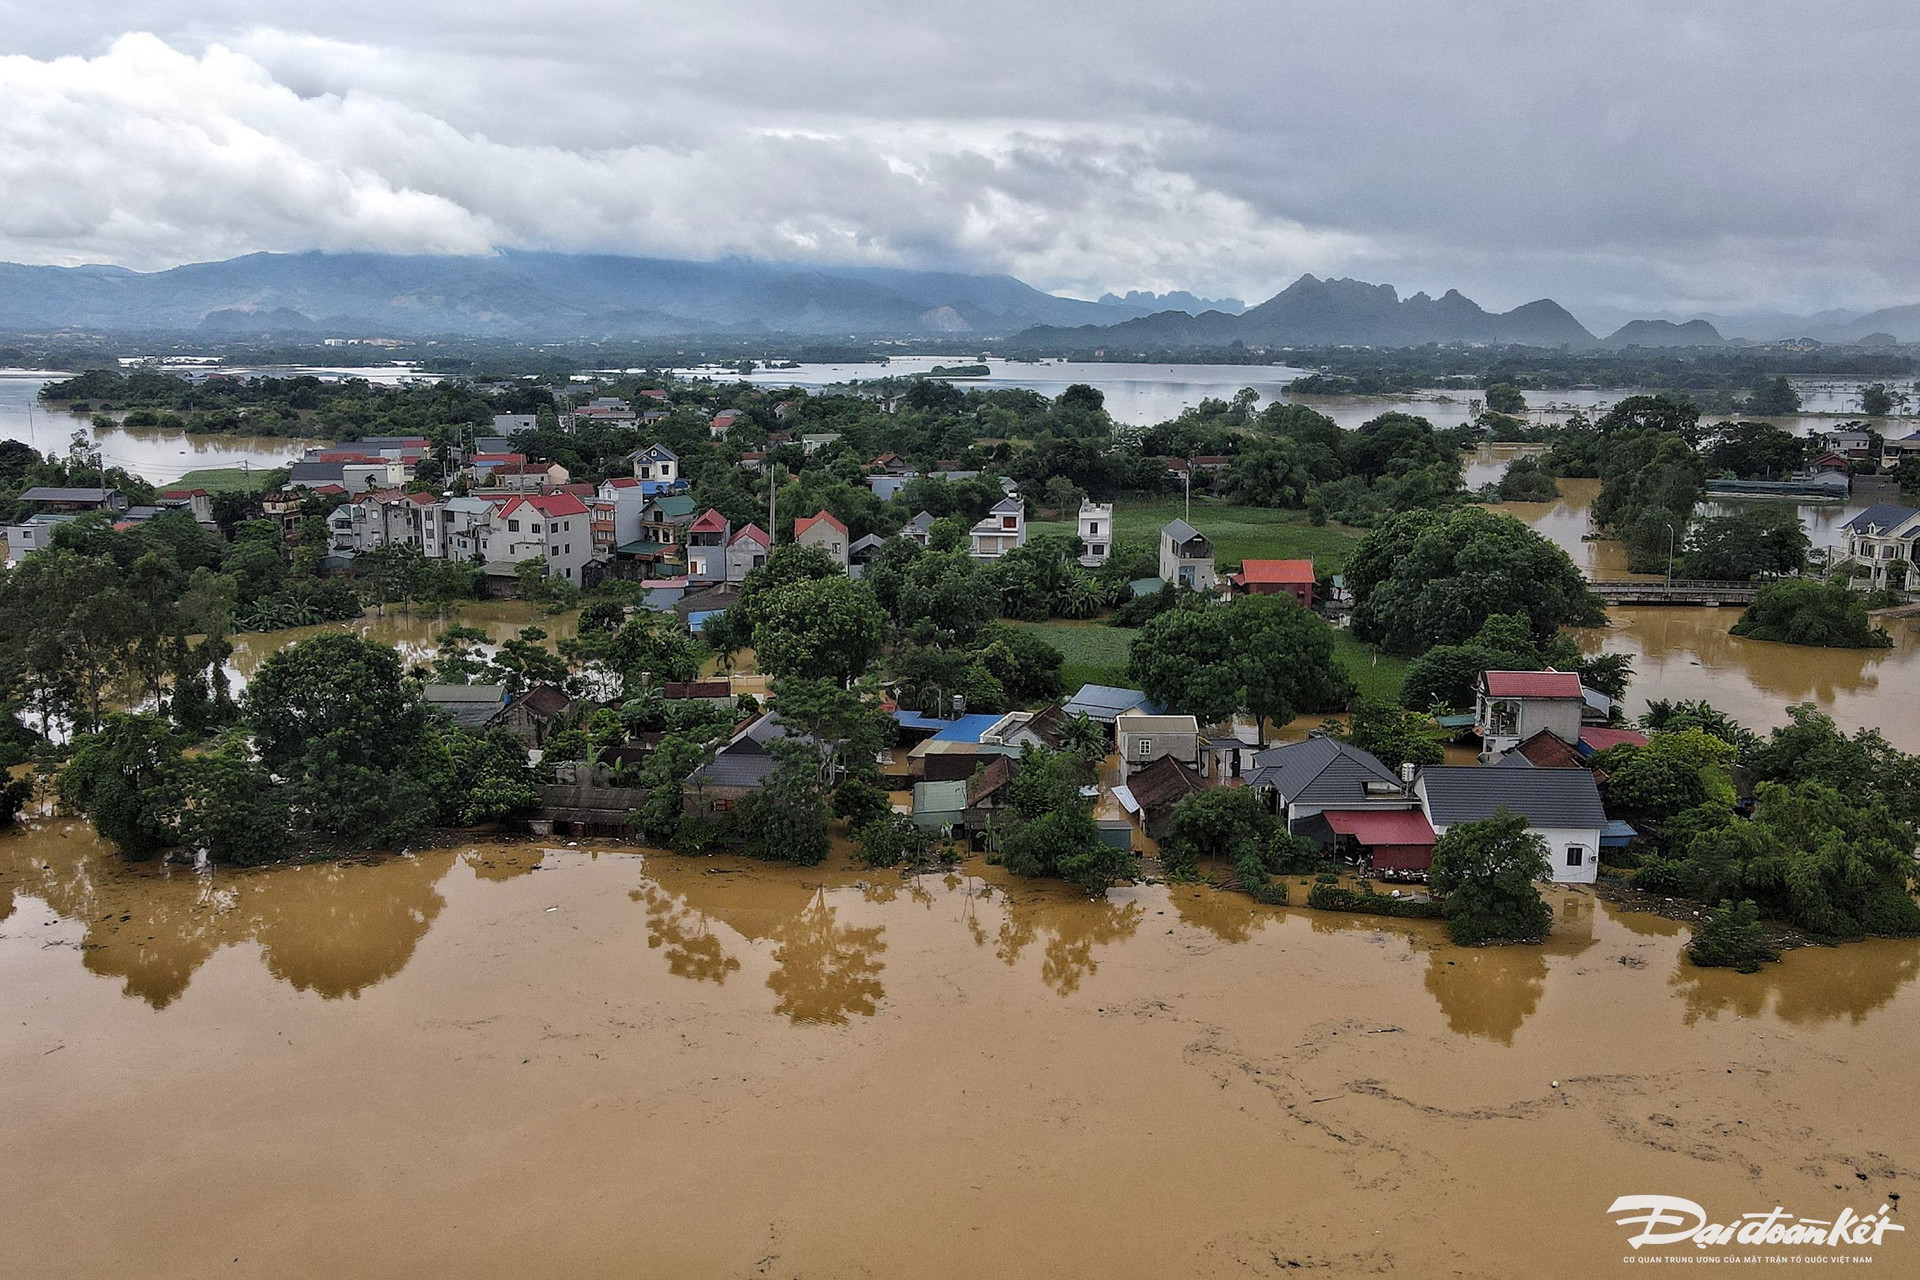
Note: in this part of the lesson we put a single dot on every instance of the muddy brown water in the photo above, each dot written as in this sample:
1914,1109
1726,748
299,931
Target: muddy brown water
504,1060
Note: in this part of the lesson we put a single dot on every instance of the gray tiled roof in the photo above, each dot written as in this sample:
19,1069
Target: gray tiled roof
1880,517
1180,531
1544,797
1319,771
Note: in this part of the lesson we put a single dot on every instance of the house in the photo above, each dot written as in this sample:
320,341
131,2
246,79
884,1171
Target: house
884,486
1893,452
1210,464
73,500
1830,463
656,464
1300,781
1018,729
510,424
664,520
553,529
285,508
1277,577
746,551
1144,738
862,553
1880,536
721,423
1105,703
33,534
940,805
1855,445
533,715
987,792
1177,469
1096,533
739,769
919,528
1156,789
1512,706
753,461
822,530
468,521
616,508
195,502
470,706
707,539
814,443
957,747
715,693
1561,806
1186,557
530,477
603,411
1004,529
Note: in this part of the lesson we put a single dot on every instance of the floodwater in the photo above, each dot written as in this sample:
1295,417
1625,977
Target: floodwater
502,1060
152,454
413,632
1687,652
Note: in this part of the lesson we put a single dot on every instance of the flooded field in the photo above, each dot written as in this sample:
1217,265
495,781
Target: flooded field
499,1060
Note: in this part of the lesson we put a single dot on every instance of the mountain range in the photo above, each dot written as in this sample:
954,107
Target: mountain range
537,296
525,295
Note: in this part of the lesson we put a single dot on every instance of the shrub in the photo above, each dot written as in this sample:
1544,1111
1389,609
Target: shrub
1732,937
1326,896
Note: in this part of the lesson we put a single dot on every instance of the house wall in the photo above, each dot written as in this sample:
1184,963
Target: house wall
1559,841
1561,715
1191,572
828,539
1184,747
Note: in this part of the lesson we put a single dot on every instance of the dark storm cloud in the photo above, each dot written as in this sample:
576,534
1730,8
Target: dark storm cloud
1627,154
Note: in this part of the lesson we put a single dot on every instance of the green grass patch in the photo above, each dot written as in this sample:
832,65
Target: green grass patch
222,480
1095,653
1378,675
1239,533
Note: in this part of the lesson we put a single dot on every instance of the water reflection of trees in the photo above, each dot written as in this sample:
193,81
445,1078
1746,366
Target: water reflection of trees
1810,986
503,862
684,936
1492,991
334,929
1072,926
824,970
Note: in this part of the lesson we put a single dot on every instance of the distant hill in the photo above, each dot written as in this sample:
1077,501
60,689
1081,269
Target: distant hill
1665,333
1177,300
525,295
1315,312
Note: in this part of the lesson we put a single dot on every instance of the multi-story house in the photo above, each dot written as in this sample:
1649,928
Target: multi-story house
1096,533
1186,556
1003,530
747,550
1881,537
553,528
822,530
656,466
707,539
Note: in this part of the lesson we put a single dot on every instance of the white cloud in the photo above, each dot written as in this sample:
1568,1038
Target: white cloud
1635,153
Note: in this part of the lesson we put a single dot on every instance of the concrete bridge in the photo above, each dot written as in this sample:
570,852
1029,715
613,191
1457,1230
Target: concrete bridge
1679,591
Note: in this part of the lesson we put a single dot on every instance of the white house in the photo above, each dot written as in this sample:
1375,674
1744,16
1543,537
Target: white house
1561,806
656,463
1003,530
1512,706
1096,532
1186,556
549,527
1880,536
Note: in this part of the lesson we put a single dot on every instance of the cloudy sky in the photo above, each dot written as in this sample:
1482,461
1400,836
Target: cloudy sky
1696,155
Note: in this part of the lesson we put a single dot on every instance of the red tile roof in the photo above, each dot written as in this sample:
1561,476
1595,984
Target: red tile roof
1282,572
710,521
623,482
751,533
558,504
1533,684
183,493
805,523
1381,826
1601,739
1548,750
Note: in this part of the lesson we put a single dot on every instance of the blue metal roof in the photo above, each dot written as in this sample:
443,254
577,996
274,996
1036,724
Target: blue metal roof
697,622
1617,832
966,728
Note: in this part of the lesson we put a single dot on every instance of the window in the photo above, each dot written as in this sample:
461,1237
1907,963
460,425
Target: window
1576,855
535,529
1009,522
1145,750
513,526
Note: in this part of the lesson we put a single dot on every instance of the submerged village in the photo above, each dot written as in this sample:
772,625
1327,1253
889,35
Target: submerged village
868,622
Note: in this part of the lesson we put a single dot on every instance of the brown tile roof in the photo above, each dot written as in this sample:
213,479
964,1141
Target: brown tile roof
997,774
1547,750
1162,784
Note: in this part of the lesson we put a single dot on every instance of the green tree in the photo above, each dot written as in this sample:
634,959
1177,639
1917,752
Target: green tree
1746,543
1504,397
827,629
1219,822
1393,734
1821,615
1181,660
335,718
1424,578
1484,872
121,778
228,806
1876,401
1732,937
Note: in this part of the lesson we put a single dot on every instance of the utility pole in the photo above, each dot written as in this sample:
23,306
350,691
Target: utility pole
773,525
1189,490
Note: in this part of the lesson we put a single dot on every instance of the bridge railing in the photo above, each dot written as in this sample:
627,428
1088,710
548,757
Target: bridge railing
1661,584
